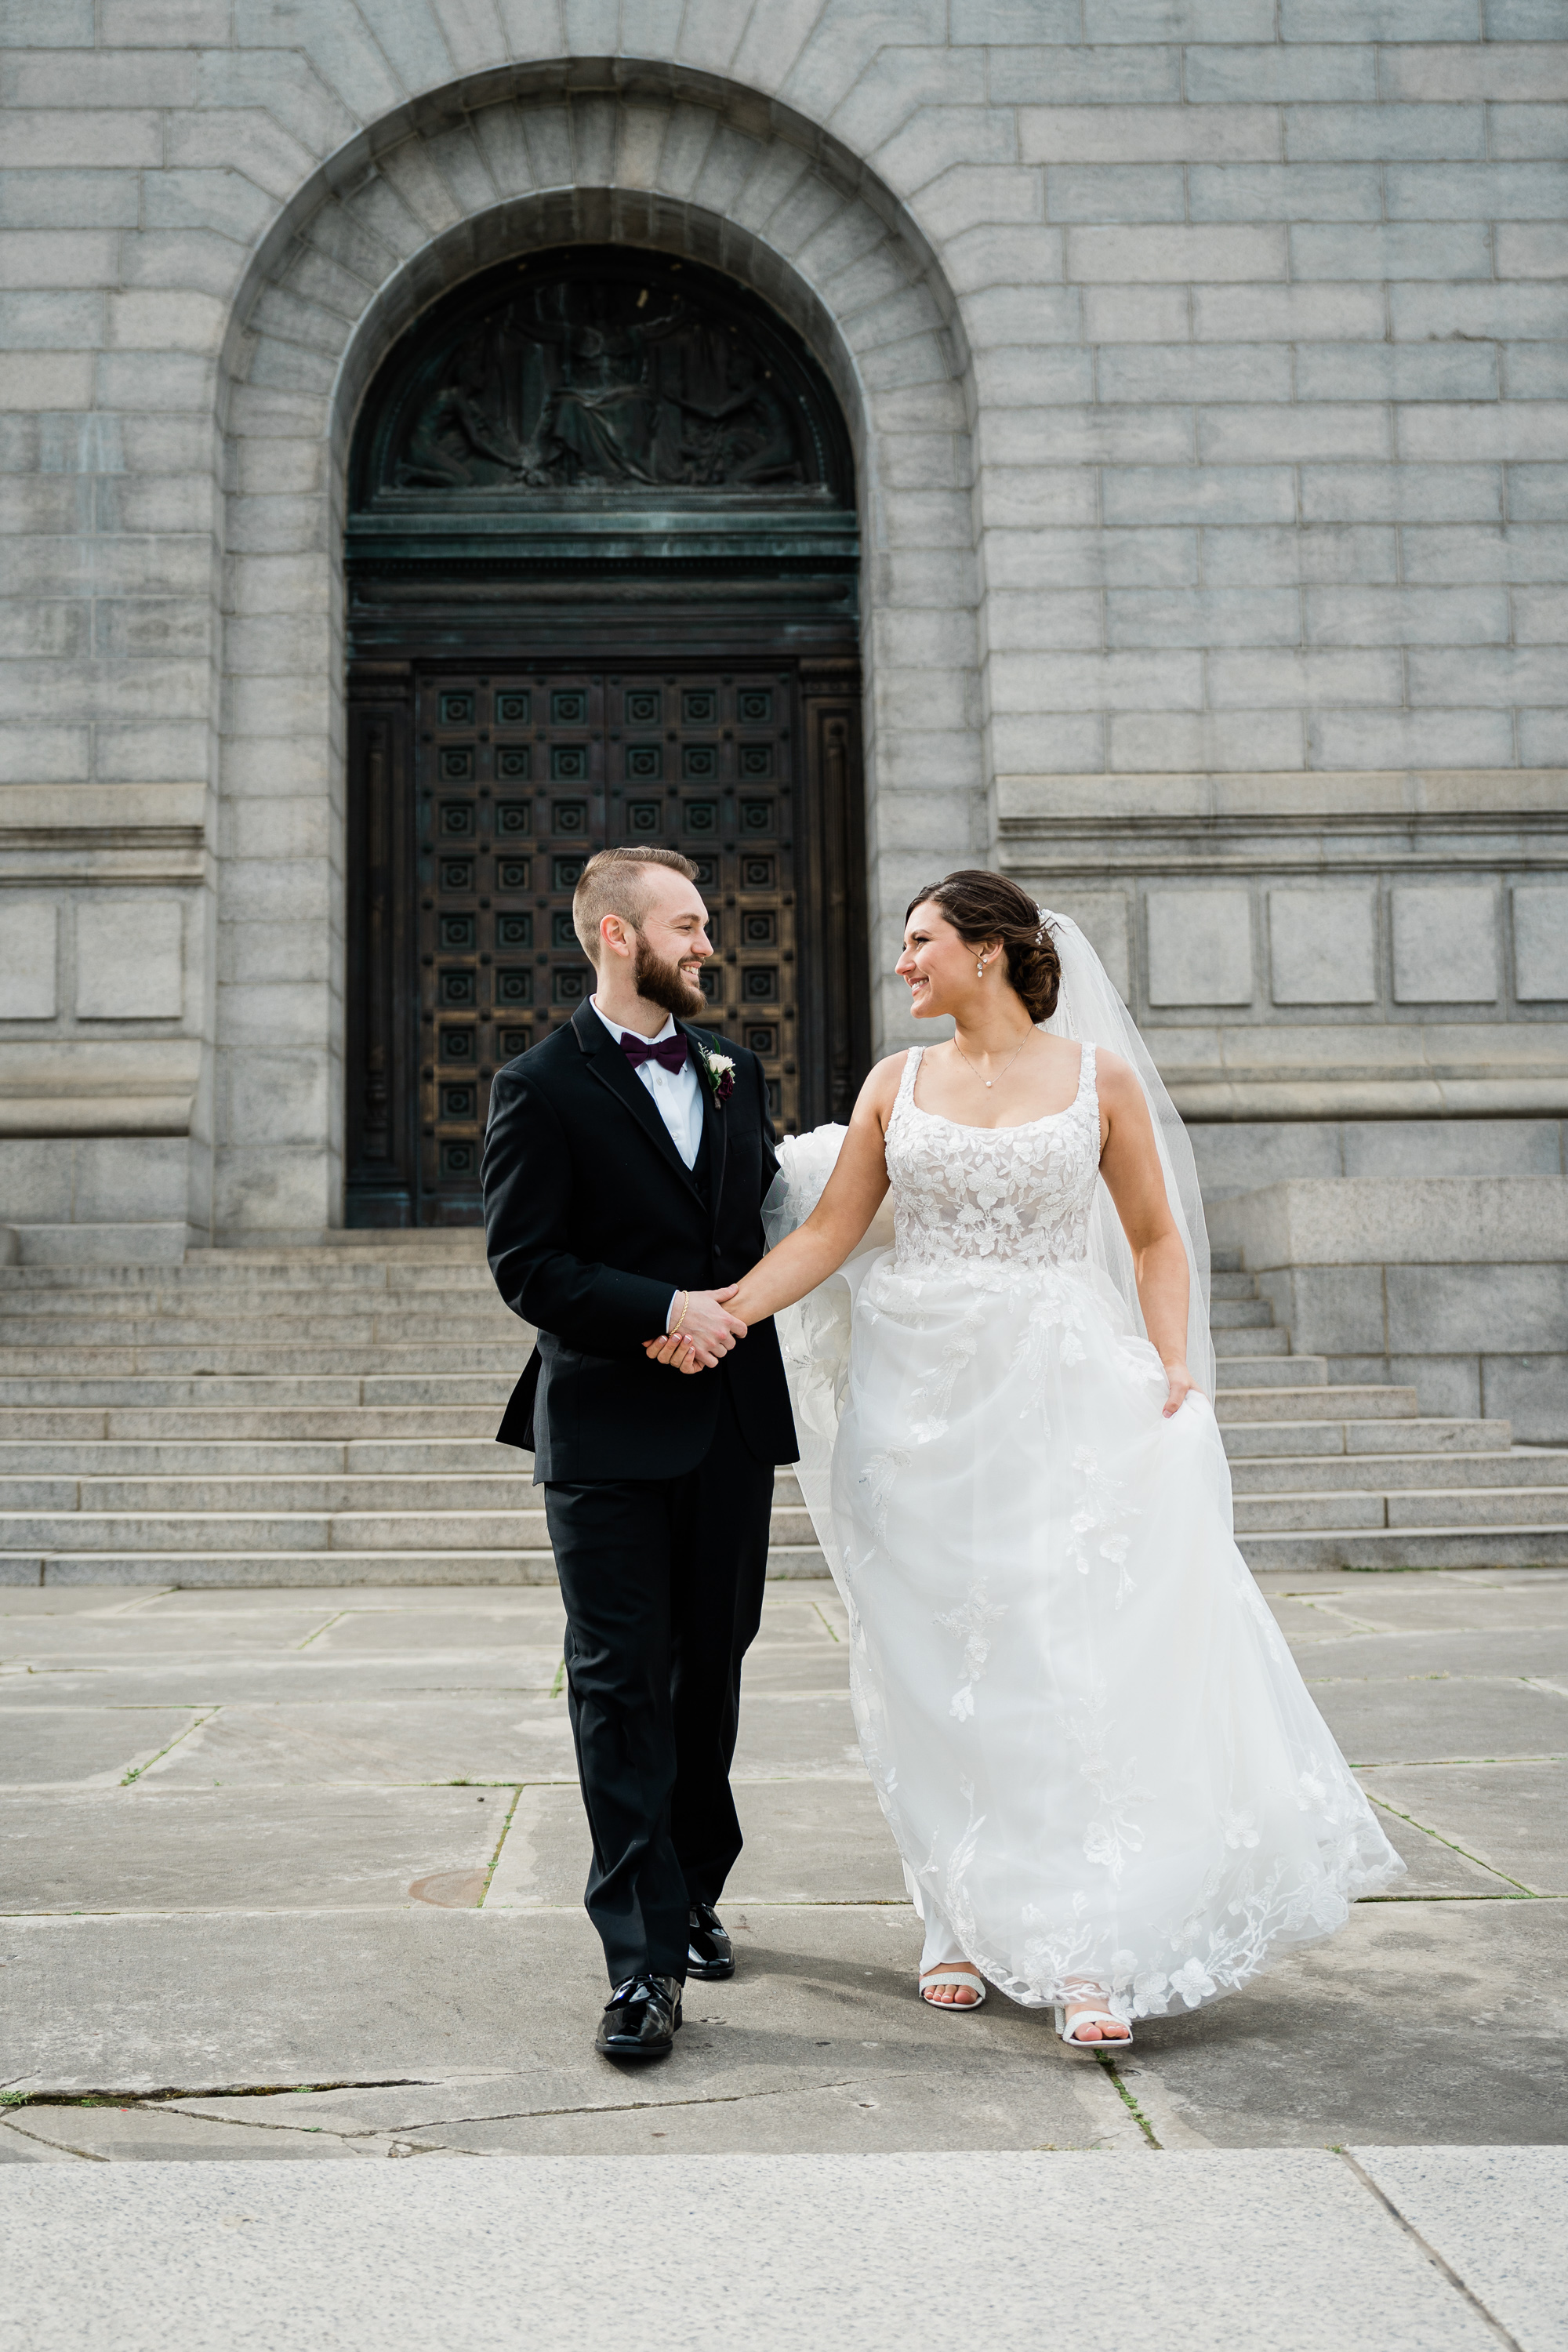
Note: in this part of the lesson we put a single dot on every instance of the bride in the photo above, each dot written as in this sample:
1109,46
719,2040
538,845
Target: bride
1110,1788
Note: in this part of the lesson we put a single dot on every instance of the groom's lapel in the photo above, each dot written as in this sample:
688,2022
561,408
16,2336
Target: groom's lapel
610,1066
715,1125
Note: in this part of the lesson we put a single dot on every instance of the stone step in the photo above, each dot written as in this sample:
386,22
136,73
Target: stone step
232,1447
236,1424
518,1527
459,1244
238,1359
1515,1507
1225,1260
1232,1285
1403,1548
1271,1372
1444,1439
1465,1508
353,1344
272,1487
1241,1315
108,1458
1283,1513
1411,1473
1233,1406
155,1499
263,1392
24,1287
1250,1340
366,1330
266,1495
180,1458
284,1570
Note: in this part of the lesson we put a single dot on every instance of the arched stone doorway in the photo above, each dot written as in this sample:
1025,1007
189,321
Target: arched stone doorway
602,564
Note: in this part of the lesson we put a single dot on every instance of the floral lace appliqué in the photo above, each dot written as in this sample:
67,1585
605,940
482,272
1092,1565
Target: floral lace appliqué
1020,1194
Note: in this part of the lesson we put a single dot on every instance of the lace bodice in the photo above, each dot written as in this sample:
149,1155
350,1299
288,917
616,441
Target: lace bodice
1013,1196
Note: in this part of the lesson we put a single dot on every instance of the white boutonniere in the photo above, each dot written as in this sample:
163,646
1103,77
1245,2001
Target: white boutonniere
719,1071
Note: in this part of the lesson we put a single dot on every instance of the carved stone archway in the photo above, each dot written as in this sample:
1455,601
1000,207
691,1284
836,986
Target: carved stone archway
681,164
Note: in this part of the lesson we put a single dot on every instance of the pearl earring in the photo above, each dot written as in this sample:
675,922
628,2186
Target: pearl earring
980,969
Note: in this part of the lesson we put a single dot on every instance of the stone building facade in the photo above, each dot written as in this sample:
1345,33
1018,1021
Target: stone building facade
1205,366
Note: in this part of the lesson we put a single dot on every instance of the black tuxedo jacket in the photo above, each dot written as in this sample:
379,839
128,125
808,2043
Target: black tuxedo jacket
592,1218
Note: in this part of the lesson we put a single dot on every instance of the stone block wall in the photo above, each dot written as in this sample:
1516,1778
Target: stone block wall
1207,366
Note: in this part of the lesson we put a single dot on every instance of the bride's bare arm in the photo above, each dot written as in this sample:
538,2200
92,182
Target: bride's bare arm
1131,1167
851,1198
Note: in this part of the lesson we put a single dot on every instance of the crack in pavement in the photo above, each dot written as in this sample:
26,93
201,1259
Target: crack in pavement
398,2136
111,2098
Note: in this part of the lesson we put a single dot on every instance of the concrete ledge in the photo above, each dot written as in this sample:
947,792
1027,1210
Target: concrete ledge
1347,796
1207,1100
1371,1220
86,1244
119,1114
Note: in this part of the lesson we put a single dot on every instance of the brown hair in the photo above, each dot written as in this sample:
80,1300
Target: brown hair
984,906
615,882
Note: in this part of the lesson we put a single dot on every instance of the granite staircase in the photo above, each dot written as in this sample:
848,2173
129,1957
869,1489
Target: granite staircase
325,1415
1330,1475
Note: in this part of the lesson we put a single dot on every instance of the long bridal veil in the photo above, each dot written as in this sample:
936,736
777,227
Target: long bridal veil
814,1334
1089,1009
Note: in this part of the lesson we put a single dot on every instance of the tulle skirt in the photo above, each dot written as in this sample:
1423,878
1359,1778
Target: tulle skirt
1087,1734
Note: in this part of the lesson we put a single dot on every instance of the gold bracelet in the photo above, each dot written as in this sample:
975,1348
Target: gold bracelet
685,1302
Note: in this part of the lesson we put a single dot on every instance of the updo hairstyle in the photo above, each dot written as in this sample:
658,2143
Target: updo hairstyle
984,906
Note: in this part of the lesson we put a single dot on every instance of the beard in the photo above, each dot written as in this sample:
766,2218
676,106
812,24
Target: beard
665,985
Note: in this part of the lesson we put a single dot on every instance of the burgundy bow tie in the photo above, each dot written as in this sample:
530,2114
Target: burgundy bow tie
670,1052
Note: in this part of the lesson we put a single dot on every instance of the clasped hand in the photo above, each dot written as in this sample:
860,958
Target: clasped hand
707,1332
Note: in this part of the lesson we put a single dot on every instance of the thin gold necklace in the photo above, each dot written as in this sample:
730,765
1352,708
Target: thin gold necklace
975,1073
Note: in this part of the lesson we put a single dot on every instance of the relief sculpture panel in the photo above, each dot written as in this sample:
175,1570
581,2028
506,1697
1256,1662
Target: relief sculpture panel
623,373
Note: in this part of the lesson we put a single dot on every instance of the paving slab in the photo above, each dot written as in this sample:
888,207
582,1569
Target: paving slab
83,1747
23,2147
234,1849
1420,2021
1512,1818
1331,1655
1495,2215
798,1735
70,1601
1411,1721
794,1666
155,2134
473,2031
1276,2253
210,1679
94,1640
937,2101
440,1633
806,1842
1422,1603
505,1601
523,1734
1437,1868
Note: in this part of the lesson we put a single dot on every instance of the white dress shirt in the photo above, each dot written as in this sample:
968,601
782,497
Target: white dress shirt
677,1099
678,1096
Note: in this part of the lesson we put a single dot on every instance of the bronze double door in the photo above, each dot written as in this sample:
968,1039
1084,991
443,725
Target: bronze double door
478,791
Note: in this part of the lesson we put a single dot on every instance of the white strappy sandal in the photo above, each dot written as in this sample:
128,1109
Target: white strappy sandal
967,1979
1123,2040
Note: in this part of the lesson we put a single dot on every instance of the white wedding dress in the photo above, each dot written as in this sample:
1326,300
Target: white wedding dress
1087,1733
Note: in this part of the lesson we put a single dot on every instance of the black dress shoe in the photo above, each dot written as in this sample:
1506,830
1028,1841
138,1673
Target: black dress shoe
640,2019
709,1954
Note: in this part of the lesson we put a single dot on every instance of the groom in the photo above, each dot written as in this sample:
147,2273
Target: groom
625,1169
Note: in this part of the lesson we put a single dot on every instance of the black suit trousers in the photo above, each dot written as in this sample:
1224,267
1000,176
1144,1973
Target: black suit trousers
662,1579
